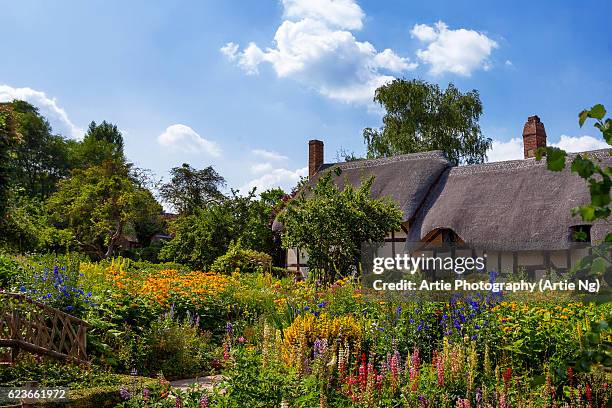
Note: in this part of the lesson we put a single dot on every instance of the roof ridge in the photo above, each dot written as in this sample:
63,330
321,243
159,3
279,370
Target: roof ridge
519,163
356,164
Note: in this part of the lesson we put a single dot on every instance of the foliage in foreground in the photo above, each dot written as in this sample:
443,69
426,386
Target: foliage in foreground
300,341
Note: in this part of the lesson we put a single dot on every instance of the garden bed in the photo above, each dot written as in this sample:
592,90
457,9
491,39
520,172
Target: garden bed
307,345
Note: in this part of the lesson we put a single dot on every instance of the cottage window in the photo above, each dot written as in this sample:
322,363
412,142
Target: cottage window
448,236
580,233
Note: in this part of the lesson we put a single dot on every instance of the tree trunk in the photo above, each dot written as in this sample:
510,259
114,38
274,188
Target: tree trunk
113,240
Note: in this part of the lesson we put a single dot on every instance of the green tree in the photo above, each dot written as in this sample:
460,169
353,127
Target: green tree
101,143
421,117
202,236
191,189
40,158
98,204
27,226
8,139
106,132
331,224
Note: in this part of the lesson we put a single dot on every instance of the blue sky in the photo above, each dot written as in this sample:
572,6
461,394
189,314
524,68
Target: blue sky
243,85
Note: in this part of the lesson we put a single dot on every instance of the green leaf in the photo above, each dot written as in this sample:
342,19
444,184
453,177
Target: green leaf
580,236
582,117
587,212
555,158
597,112
608,237
584,167
607,134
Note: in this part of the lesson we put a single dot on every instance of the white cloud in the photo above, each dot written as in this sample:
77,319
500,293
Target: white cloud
269,155
259,168
458,51
181,138
424,33
344,14
230,50
314,47
284,178
580,143
393,62
513,149
509,63
49,108
510,150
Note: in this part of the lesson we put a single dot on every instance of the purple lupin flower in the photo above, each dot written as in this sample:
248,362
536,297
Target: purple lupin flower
124,393
204,401
317,348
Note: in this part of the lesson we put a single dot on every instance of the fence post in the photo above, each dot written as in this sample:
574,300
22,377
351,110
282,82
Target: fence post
29,402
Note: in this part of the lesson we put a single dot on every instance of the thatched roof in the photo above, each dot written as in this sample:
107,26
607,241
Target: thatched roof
406,178
512,205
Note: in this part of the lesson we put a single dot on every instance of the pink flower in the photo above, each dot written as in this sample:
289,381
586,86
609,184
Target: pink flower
414,370
440,370
226,354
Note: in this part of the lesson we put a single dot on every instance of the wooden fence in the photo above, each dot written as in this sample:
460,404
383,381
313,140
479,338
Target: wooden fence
29,325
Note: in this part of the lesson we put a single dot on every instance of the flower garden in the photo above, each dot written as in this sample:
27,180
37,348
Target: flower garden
281,343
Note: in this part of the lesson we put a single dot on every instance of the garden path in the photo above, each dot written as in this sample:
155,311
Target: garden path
206,383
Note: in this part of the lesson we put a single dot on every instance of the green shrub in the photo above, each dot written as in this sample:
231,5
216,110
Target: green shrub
237,259
148,253
103,396
8,271
57,374
248,385
176,349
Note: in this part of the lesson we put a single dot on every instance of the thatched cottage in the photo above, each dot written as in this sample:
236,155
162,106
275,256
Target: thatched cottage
517,213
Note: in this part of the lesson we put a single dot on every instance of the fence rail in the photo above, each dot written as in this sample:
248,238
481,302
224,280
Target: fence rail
26,324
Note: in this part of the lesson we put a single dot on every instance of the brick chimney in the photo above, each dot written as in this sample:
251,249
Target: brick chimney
315,156
534,136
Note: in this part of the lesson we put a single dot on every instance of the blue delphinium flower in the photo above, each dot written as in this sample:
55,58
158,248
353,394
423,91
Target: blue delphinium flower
492,276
